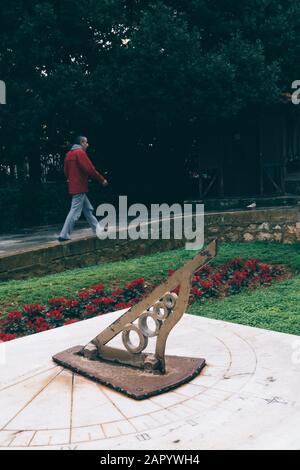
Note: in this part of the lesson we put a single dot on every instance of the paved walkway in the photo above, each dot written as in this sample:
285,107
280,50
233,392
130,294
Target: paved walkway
34,237
27,239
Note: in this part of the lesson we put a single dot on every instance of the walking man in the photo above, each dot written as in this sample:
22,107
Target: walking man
78,168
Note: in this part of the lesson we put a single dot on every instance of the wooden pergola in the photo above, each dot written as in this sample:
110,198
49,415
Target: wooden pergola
248,155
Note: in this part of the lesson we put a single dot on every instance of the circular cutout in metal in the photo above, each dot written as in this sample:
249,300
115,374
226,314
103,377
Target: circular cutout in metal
143,341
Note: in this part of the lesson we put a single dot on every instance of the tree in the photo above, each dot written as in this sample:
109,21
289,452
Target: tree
139,77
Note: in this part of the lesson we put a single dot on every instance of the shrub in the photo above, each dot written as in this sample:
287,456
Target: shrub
228,279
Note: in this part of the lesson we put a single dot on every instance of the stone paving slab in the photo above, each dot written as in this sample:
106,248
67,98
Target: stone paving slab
247,397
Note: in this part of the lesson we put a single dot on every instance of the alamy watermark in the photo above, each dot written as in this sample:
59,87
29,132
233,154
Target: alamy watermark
296,353
159,222
2,92
296,93
2,354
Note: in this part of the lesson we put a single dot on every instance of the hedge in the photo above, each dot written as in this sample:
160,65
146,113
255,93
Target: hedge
28,204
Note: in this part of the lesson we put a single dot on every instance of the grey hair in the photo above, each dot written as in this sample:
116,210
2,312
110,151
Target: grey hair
79,139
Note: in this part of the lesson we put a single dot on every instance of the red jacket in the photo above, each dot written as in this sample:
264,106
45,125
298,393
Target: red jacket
78,168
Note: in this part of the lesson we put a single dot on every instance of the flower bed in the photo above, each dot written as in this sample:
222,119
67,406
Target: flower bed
228,279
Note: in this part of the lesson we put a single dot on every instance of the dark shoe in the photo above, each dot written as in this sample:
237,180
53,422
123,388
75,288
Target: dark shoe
63,239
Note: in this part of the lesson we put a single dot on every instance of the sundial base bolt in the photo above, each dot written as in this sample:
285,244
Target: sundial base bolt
151,363
90,352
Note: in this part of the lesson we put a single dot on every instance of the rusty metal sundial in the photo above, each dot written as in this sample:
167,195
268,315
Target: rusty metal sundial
131,370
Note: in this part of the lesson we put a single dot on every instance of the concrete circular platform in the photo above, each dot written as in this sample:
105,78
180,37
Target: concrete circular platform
246,397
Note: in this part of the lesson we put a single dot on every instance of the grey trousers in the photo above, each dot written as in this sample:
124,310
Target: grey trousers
80,203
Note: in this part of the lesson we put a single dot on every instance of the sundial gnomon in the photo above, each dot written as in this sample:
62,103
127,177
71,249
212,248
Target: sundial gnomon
131,370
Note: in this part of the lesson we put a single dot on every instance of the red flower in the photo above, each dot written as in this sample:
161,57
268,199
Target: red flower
217,278
33,308
41,324
71,303
98,301
117,293
103,301
240,276
197,292
123,305
206,284
16,315
55,315
42,327
251,264
267,279
70,322
84,295
7,337
91,308
98,288
264,267
136,282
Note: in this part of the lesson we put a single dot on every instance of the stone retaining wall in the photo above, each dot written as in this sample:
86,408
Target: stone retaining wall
53,258
280,225
277,224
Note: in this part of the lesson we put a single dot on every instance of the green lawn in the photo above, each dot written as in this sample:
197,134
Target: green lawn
276,307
